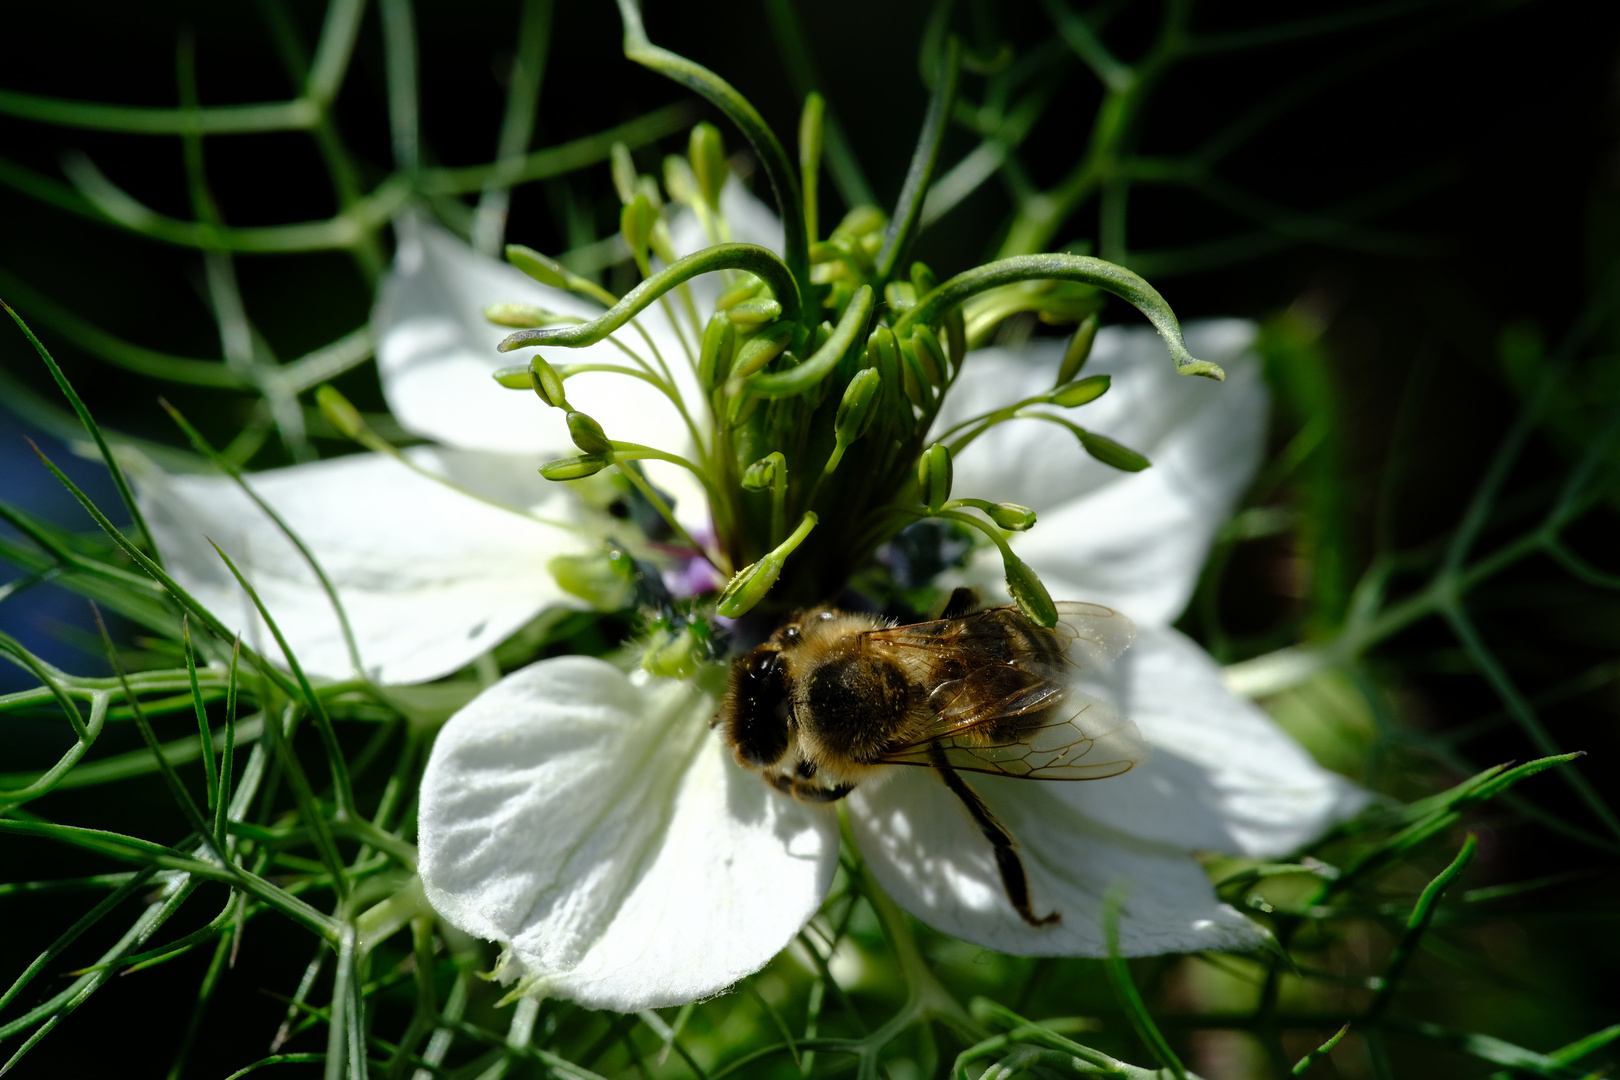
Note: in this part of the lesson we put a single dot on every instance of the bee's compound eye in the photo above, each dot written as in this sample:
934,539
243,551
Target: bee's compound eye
759,729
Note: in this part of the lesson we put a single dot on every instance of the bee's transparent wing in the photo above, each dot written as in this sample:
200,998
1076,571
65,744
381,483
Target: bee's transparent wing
1097,635
1081,739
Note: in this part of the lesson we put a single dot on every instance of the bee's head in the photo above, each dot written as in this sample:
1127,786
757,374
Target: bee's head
758,711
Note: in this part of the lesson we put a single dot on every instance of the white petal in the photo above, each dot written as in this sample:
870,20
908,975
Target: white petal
429,577
1223,776
602,832
1132,541
927,853
436,353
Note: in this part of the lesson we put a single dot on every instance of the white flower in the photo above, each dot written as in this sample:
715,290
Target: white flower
590,821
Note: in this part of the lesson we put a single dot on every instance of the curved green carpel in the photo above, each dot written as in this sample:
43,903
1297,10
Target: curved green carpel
1058,267
820,364
723,96
759,261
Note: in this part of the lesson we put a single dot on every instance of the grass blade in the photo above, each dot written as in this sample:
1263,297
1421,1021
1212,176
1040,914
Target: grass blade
90,425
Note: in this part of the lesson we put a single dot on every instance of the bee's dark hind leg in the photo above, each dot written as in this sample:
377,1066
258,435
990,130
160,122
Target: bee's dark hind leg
962,601
1008,863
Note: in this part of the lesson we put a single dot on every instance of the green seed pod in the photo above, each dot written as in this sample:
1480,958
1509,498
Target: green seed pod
545,271
521,316
857,409
598,578
750,584
913,378
340,412
1012,517
707,152
574,468
624,173
520,377
547,383
1078,393
930,354
761,349
934,474
762,474
674,654
1109,452
1079,349
755,312
636,222
883,353
714,358
1028,591
746,288
900,295
587,434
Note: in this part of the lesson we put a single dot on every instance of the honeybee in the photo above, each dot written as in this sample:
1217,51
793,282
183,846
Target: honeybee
834,697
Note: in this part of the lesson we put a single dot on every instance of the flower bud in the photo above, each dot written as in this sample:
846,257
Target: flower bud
624,172
1028,591
934,475
574,468
636,222
929,354
714,356
1011,516
587,434
1109,452
1078,393
545,271
340,412
761,349
747,287
547,383
521,316
1079,349
858,409
707,152
755,312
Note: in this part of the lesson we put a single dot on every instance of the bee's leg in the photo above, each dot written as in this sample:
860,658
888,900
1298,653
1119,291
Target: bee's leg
962,601
1011,866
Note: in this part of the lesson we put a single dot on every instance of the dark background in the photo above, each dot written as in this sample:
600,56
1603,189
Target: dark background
1499,120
